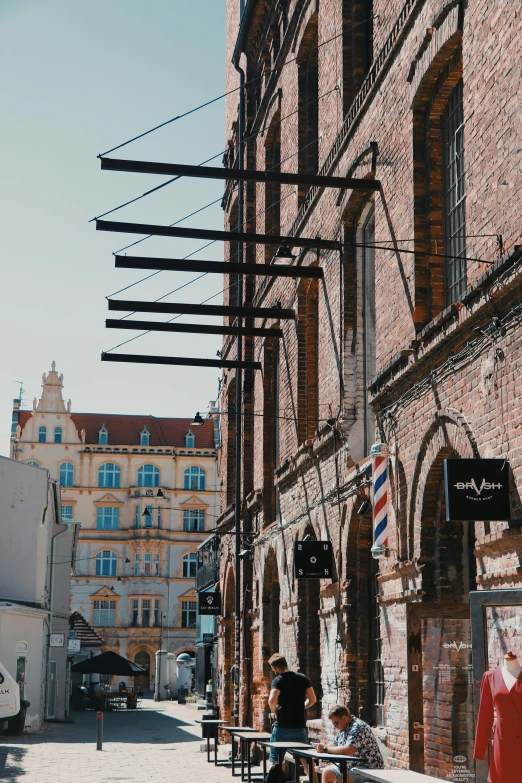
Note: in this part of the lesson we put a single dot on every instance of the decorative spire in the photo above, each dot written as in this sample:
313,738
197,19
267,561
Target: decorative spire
51,400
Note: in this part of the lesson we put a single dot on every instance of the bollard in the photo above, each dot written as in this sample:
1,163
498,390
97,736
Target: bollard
99,731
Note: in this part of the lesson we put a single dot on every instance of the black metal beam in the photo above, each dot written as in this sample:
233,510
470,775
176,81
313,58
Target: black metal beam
246,175
154,326
191,309
220,236
133,358
218,267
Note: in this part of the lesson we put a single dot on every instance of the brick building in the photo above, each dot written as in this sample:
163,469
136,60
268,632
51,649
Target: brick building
412,338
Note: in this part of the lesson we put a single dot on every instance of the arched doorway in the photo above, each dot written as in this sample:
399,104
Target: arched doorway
142,682
271,626
309,634
439,636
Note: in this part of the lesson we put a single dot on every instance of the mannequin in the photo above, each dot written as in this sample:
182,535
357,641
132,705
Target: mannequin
511,670
501,705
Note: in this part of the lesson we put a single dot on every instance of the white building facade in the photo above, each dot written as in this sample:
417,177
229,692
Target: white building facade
145,492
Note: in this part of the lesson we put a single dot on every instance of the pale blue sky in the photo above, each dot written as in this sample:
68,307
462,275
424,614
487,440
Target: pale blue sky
79,77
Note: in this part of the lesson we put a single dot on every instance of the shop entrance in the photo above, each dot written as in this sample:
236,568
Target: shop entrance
440,691
496,626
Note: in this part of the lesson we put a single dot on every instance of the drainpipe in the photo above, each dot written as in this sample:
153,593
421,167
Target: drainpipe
239,384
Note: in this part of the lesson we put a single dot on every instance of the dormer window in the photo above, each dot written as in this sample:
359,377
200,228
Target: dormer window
144,437
190,440
103,436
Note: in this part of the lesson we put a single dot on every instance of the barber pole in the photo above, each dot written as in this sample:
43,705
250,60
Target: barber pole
379,453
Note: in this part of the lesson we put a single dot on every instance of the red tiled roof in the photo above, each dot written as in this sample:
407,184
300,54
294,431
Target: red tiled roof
125,430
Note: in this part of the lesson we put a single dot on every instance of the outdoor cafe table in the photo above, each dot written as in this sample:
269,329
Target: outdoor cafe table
212,733
246,739
314,755
281,748
231,730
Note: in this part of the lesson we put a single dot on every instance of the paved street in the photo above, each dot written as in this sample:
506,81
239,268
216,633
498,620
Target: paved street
158,742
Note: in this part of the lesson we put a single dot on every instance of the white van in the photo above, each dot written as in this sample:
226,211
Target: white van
9,695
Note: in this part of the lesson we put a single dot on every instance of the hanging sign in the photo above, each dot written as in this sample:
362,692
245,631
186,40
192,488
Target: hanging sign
209,603
313,560
379,453
477,489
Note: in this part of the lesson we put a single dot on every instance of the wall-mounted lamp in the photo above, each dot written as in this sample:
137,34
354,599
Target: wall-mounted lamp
363,508
308,537
198,420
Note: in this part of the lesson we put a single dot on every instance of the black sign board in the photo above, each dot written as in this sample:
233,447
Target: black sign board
208,638
312,560
477,489
209,603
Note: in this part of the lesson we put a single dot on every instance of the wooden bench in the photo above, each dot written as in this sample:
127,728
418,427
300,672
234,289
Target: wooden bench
389,776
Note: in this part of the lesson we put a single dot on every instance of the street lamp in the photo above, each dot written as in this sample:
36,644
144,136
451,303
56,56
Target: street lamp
283,253
198,420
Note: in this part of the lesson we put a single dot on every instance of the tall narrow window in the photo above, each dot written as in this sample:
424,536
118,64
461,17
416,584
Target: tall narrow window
368,322
194,520
357,47
107,517
454,197
270,430
377,669
273,190
147,517
157,616
103,436
189,565
42,435
104,614
308,361
57,434
109,475
308,110
188,614
136,565
145,612
190,440
147,564
144,437
135,612
67,474
137,513
194,478
157,565
106,563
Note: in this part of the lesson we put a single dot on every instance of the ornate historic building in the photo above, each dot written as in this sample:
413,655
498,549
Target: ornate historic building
413,338
145,491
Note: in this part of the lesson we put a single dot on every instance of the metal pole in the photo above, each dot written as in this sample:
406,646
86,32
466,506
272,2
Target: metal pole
239,384
99,731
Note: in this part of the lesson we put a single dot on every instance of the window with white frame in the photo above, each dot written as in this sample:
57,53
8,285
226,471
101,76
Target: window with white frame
147,564
57,434
157,618
67,474
103,436
193,520
67,512
109,475
147,516
137,512
190,562
106,563
157,565
42,435
135,612
194,478
104,614
145,612
190,440
148,476
107,517
144,438
136,565
188,614
454,196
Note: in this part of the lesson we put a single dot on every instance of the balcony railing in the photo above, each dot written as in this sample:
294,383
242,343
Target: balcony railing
207,575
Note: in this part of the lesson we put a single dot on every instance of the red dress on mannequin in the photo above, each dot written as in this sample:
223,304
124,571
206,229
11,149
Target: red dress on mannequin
505,758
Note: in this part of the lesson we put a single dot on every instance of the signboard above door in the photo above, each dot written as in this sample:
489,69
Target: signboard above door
477,489
312,560
209,603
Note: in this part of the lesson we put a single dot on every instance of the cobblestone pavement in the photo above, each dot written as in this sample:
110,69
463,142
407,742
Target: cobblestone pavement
159,742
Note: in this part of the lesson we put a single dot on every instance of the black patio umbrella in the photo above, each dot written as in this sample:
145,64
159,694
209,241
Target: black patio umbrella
108,663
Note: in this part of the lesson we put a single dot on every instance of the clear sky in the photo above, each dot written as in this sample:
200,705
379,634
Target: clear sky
79,77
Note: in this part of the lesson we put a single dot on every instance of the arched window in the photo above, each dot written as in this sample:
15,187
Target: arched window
106,563
109,475
190,565
67,474
144,437
103,436
148,476
147,564
194,478
57,434
190,440
42,435
33,463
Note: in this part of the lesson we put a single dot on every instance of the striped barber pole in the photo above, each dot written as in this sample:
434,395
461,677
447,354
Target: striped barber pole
379,453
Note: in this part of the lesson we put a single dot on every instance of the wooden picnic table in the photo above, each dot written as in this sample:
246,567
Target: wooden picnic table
246,739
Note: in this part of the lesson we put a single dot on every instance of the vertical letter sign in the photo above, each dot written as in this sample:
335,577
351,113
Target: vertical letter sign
379,453
312,560
209,603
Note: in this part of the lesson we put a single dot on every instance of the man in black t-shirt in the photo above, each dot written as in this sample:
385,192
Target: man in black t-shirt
291,694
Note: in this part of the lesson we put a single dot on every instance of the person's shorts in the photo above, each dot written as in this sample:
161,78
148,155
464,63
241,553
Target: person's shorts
335,769
280,734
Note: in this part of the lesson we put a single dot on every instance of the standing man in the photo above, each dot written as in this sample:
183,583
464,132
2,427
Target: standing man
291,695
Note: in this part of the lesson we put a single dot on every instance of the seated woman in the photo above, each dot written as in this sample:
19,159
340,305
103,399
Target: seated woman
354,738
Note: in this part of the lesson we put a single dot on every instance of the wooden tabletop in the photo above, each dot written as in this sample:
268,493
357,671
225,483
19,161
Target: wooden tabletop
210,721
286,744
314,754
236,728
253,736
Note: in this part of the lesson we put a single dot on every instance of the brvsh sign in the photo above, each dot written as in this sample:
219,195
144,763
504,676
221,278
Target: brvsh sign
209,603
477,489
312,560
